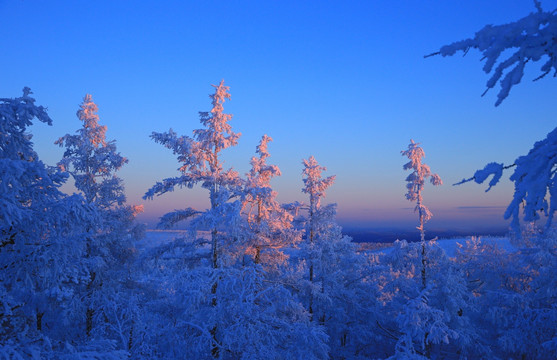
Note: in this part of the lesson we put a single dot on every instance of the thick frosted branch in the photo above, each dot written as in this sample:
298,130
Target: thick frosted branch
168,220
530,38
480,176
535,178
168,185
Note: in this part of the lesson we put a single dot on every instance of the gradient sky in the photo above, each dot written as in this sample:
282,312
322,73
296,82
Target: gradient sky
344,81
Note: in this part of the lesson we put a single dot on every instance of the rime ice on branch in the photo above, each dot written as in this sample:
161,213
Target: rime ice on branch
531,38
535,182
416,181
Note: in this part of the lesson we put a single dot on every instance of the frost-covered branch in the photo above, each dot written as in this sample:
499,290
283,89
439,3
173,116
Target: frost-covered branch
480,176
168,185
535,182
532,38
168,220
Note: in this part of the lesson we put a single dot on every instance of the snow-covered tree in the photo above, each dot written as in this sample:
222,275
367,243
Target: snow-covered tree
336,276
416,182
529,39
315,186
514,292
211,302
269,223
41,245
201,163
92,160
431,320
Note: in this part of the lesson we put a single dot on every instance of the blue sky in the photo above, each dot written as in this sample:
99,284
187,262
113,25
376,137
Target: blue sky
344,81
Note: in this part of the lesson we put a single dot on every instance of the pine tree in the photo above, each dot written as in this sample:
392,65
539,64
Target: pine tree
338,296
92,160
416,182
269,223
315,186
210,299
41,239
201,163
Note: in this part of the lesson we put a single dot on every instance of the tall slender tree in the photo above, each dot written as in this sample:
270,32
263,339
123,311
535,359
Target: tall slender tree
93,160
201,164
416,182
314,186
270,224
338,296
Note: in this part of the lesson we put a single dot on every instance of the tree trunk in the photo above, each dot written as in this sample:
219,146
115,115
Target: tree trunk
257,258
424,263
130,339
311,235
90,312
214,346
40,321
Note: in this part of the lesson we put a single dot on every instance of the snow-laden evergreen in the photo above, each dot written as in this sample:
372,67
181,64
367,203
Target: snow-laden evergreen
416,182
336,278
42,243
92,161
228,307
269,223
251,279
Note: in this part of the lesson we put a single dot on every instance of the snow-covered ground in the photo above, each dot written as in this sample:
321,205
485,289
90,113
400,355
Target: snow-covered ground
450,245
154,238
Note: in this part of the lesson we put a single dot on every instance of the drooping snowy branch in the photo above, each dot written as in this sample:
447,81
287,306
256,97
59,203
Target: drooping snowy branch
480,176
168,220
168,185
532,38
535,181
